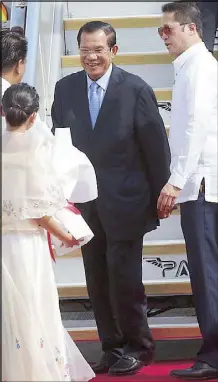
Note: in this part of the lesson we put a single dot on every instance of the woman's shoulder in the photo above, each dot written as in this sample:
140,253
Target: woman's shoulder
28,149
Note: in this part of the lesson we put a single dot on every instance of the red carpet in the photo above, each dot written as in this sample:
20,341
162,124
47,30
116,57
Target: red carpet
158,372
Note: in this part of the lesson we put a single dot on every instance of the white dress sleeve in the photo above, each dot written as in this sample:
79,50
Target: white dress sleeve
30,186
75,169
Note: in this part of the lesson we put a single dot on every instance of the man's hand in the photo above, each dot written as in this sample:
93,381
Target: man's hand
166,200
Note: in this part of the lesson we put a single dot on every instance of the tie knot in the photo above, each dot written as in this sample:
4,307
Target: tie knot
94,87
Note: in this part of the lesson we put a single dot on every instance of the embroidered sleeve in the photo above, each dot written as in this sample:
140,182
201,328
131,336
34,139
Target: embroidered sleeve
31,188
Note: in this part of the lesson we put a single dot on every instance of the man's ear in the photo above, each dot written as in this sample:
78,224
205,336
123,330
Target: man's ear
192,28
114,51
18,66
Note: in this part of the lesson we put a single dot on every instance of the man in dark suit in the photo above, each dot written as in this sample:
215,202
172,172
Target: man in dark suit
114,120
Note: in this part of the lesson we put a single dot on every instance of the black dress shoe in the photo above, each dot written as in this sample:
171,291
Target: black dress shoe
105,363
126,365
199,371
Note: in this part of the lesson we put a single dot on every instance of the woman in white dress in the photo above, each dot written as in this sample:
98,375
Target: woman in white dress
35,346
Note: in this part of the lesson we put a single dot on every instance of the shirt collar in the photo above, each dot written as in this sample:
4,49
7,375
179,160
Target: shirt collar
103,81
5,85
190,52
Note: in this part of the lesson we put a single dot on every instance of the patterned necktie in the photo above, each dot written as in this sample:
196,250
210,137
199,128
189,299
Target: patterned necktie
94,103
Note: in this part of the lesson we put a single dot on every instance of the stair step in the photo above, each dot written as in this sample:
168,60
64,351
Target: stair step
164,267
154,58
162,328
97,10
163,94
116,22
161,287
159,247
169,247
125,59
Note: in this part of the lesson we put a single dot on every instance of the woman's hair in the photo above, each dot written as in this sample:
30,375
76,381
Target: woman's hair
19,102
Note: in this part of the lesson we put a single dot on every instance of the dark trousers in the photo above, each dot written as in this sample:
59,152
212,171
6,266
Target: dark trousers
209,13
114,281
199,220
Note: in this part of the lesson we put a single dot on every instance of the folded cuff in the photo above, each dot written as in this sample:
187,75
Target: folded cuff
177,180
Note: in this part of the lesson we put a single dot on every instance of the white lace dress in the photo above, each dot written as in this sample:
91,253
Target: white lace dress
35,346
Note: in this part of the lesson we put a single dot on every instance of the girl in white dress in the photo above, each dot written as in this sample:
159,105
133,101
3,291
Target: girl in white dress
35,346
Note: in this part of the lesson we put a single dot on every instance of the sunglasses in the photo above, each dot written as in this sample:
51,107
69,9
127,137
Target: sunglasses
167,29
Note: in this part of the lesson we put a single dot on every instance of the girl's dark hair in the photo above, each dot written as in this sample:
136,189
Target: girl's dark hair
13,49
19,102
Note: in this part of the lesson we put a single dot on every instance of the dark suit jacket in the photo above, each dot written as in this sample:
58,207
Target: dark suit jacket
128,148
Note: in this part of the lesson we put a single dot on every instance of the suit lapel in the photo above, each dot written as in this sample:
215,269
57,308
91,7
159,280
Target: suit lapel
81,102
110,98
81,109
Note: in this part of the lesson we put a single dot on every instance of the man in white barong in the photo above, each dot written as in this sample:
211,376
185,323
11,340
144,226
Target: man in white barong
194,170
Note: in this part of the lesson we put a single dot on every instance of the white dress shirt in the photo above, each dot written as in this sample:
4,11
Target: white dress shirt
194,133
102,82
5,85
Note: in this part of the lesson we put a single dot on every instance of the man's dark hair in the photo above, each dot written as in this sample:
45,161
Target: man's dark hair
19,102
94,26
185,12
14,49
